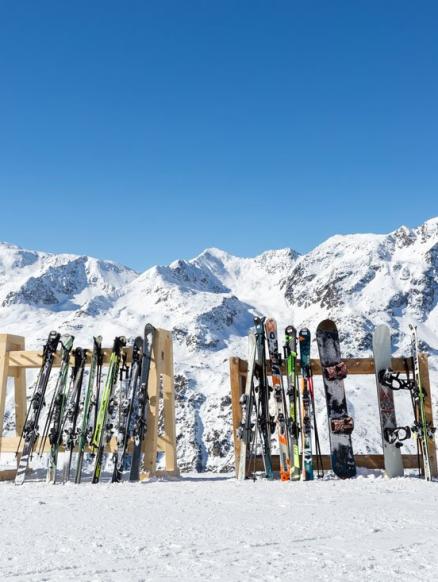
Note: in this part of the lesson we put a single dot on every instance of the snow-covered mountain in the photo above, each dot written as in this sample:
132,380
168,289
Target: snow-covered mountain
209,302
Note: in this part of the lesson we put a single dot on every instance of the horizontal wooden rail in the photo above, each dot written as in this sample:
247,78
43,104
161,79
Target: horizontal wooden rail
9,444
354,366
33,359
365,461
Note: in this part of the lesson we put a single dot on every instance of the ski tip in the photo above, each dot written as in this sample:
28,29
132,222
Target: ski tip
290,330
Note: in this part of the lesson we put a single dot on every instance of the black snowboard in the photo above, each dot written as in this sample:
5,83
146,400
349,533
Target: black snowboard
340,424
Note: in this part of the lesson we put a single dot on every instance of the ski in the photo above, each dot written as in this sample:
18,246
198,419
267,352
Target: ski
70,421
245,432
265,423
52,428
388,422
421,426
340,423
141,402
306,371
290,356
306,404
102,427
30,429
126,407
280,400
89,401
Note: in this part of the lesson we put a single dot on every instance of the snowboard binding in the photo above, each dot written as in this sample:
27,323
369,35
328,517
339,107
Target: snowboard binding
343,425
336,372
393,381
395,436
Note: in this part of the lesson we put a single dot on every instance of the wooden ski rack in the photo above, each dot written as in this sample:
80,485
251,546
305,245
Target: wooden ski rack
357,366
15,360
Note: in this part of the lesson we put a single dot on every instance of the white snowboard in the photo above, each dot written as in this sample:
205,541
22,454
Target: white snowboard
382,361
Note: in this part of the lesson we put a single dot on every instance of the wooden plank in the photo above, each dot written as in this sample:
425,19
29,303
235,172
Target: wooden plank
355,366
10,444
168,439
236,392
364,461
425,381
33,359
7,474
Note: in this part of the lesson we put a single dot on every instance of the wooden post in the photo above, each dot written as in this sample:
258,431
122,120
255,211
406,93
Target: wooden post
4,374
236,392
425,381
168,440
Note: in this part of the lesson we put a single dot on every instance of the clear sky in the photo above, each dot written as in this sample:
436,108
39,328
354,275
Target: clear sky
147,131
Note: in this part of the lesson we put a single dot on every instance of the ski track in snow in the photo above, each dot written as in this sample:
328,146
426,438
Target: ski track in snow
216,528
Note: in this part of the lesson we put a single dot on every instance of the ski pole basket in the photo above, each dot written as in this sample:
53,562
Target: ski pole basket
15,360
355,366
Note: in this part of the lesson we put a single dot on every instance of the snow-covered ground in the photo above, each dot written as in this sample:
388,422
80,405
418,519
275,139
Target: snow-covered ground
216,528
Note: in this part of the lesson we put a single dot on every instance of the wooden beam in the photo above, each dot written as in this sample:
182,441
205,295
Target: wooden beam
355,366
33,359
4,364
169,435
154,387
236,392
365,461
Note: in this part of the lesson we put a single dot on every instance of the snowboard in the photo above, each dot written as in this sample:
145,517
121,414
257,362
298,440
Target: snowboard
340,423
382,361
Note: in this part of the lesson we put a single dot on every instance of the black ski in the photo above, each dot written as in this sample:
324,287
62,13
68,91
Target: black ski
30,430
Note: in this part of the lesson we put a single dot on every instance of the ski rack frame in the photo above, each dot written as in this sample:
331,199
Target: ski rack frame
15,360
355,366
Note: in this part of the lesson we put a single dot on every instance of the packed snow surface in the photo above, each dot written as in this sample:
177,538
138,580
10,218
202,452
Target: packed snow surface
216,528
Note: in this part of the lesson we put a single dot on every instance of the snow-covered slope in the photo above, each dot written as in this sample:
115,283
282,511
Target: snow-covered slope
209,302
216,528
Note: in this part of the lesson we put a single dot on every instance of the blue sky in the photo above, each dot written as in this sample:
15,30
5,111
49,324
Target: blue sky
147,131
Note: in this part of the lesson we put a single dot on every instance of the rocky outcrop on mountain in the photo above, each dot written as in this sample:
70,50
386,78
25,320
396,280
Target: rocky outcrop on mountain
209,302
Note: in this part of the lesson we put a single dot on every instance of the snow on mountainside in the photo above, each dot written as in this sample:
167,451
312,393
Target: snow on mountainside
209,302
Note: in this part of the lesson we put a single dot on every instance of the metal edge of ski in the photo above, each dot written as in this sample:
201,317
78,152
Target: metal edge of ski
29,433
142,403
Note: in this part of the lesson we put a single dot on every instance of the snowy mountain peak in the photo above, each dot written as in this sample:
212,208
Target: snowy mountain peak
209,302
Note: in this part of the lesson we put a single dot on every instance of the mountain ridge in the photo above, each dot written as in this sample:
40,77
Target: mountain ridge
208,303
